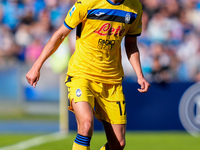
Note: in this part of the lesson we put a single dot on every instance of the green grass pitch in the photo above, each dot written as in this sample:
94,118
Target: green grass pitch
134,141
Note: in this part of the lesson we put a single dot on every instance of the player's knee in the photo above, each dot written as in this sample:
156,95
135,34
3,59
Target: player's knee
122,144
86,127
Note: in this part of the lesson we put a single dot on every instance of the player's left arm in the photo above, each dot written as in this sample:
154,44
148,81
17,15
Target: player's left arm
133,54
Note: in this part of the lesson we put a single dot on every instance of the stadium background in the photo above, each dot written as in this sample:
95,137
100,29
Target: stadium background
170,52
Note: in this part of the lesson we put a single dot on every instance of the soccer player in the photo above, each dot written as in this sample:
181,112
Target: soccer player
95,72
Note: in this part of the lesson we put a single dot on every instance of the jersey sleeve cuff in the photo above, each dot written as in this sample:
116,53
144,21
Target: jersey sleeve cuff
70,28
133,35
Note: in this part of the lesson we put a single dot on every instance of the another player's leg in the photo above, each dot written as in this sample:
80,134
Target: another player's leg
84,116
115,134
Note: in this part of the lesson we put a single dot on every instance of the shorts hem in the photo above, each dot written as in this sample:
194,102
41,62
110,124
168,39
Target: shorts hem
110,121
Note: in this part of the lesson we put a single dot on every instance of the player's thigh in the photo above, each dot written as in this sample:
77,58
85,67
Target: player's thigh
83,111
84,116
115,134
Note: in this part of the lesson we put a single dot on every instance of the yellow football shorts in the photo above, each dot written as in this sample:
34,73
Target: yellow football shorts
107,100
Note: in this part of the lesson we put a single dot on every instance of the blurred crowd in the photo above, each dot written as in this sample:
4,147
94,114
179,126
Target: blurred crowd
169,44
27,25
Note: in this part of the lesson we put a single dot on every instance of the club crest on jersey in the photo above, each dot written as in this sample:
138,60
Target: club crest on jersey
72,11
127,18
78,92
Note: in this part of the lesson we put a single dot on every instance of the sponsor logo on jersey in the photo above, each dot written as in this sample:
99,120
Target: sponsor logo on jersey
100,14
189,109
78,92
105,44
79,2
106,29
72,11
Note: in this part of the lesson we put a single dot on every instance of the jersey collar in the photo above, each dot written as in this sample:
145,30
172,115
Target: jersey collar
109,1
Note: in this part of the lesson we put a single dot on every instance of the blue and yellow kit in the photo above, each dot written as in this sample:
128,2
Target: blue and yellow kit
101,26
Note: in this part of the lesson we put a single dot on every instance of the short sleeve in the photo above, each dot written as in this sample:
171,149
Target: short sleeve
76,14
136,27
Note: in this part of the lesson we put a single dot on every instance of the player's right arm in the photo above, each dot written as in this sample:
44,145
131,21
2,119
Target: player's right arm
57,38
75,15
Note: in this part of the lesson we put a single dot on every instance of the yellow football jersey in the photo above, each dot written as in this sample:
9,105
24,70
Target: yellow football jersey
101,25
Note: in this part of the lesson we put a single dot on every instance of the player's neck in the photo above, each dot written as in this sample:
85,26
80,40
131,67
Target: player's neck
116,1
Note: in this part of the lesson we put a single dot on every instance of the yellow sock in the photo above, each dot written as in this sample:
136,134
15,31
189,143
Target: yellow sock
81,143
80,147
105,147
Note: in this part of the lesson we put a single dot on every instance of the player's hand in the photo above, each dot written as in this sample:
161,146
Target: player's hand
33,77
144,85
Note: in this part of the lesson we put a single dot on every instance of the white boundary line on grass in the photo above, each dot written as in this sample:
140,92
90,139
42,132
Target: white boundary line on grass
35,141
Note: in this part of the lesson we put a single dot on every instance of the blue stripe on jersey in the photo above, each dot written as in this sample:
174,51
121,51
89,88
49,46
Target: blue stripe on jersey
111,12
67,26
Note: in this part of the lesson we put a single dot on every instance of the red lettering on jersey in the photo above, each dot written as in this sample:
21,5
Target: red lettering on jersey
117,30
103,29
121,32
106,29
111,31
